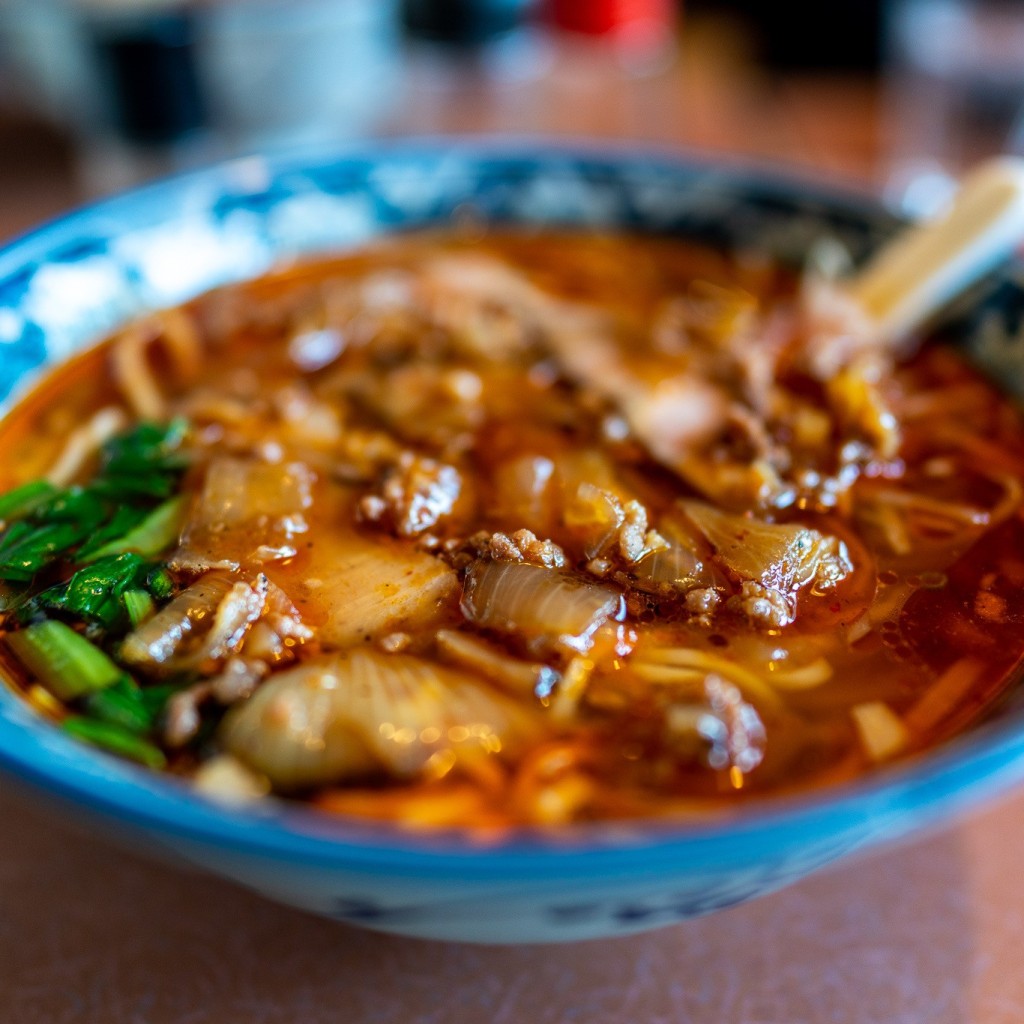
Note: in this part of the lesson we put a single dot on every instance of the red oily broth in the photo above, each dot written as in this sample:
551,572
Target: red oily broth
534,528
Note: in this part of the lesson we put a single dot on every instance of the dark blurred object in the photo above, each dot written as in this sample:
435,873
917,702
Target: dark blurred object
149,65
462,22
809,35
37,170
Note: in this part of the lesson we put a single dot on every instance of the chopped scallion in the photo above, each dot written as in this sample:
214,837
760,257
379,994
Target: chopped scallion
139,605
67,664
124,519
157,531
25,549
146,460
93,594
125,507
122,704
115,739
22,500
155,698
160,583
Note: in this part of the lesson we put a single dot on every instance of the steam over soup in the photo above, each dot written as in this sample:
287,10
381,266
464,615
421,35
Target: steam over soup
534,529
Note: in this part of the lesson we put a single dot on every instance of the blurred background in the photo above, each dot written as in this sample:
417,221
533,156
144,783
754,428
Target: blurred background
894,95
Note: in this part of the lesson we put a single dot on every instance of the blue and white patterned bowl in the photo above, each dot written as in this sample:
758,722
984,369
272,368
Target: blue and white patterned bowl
66,284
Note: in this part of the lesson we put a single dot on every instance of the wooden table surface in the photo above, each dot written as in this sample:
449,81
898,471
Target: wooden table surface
930,932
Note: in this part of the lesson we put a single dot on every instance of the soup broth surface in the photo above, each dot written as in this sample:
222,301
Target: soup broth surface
527,528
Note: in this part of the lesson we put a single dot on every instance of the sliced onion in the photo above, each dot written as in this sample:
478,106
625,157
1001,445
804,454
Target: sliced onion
237,611
160,637
542,606
676,565
364,712
365,588
237,491
523,492
595,516
495,665
206,622
783,556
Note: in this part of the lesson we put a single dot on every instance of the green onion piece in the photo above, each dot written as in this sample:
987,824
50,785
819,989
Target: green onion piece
114,739
22,500
67,664
160,584
125,518
139,606
77,505
121,704
114,512
93,594
157,531
145,460
25,549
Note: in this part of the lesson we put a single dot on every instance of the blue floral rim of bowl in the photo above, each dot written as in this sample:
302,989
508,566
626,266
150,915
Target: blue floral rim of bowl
71,281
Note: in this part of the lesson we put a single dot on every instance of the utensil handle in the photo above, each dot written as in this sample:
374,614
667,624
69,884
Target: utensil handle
928,264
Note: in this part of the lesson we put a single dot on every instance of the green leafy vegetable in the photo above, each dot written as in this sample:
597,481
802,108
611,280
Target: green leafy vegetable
122,704
155,698
124,508
67,664
22,500
146,460
26,548
78,505
139,605
160,583
95,594
124,520
107,531
157,531
129,705
115,739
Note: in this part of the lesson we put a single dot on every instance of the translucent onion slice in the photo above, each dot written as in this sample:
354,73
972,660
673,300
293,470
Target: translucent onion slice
784,556
495,665
366,587
363,712
675,565
523,492
544,607
188,615
208,622
238,491
685,563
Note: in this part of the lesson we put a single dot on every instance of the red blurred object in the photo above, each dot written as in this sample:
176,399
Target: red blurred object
622,18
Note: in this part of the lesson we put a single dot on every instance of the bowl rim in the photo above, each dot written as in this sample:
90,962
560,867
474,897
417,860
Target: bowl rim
775,176
989,758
